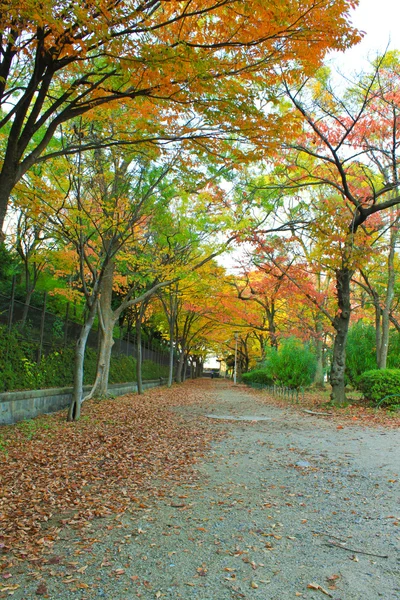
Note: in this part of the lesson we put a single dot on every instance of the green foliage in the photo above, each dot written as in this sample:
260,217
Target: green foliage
20,371
8,266
31,427
122,369
360,351
293,365
151,370
381,384
260,376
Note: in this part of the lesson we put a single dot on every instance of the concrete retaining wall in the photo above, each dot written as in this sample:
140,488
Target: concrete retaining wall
18,406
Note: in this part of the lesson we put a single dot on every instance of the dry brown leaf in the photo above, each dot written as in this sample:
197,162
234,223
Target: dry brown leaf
316,586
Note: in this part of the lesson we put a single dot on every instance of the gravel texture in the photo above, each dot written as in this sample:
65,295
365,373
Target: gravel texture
285,506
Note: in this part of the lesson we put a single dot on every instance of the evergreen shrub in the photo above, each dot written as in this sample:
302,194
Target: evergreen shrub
293,364
360,351
260,376
376,384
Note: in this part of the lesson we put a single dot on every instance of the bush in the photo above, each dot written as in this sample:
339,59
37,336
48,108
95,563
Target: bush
260,376
379,383
360,351
293,365
20,371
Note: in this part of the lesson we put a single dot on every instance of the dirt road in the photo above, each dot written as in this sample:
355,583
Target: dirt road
285,505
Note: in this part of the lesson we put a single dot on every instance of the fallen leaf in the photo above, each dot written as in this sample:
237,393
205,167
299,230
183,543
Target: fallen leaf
316,586
41,590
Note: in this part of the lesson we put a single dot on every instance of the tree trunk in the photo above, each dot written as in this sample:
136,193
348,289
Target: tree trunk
171,355
28,298
185,366
139,360
179,367
100,386
378,331
319,352
341,325
384,345
75,407
107,322
319,373
8,176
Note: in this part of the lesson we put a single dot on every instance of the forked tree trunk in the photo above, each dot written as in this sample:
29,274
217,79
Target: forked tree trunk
341,325
107,321
100,386
75,407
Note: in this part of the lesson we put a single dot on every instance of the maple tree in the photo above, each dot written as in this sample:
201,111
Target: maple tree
185,68
336,148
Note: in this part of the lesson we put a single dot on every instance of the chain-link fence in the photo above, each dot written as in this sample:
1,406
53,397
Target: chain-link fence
50,331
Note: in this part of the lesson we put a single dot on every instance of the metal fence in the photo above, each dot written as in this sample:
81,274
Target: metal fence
51,331
280,391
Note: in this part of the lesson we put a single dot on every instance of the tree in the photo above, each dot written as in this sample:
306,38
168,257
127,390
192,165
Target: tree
341,146
185,67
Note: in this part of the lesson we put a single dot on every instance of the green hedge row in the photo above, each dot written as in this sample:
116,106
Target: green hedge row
381,386
19,370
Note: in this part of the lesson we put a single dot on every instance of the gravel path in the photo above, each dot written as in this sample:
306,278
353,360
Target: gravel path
285,506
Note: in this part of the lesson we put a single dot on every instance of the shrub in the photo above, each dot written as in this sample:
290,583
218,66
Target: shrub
151,370
20,371
293,365
360,351
260,376
379,383
122,368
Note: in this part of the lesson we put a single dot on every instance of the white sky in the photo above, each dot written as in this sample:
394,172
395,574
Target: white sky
380,20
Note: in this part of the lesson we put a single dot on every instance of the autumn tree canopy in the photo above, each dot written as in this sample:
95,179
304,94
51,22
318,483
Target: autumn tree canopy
185,69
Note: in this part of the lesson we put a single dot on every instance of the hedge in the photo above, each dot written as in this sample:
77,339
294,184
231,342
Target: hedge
20,371
381,384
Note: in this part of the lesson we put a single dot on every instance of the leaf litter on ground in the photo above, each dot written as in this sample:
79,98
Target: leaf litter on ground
119,456
356,412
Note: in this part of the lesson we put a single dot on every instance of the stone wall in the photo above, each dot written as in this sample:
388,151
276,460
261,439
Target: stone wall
18,406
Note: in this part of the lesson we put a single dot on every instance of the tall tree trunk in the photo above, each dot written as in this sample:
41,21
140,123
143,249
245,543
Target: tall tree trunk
75,407
341,325
27,304
384,345
139,359
100,386
8,176
171,353
107,321
378,331
185,366
179,367
319,352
